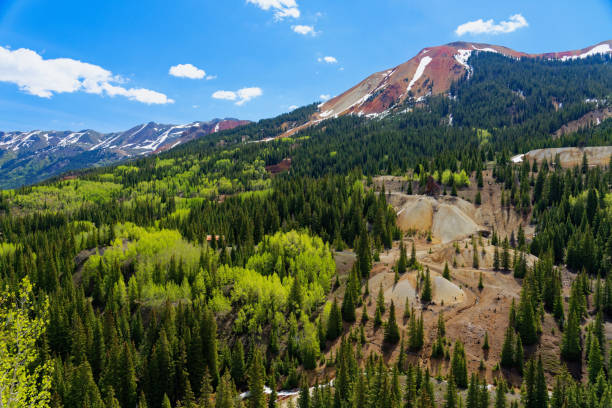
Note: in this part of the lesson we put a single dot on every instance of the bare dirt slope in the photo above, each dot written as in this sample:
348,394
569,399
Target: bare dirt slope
468,312
593,118
569,156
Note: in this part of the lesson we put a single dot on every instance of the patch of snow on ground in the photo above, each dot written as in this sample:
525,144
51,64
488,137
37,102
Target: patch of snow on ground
72,138
327,113
518,158
600,49
487,49
462,56
419,71
174,130
216,128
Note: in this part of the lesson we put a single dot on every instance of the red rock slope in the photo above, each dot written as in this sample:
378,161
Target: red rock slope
431,71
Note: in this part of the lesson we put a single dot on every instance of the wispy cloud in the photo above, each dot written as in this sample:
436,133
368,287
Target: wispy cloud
241,96
282,8
187,71
304,30
490,27
46,77
211,77
325,97
293,107
328,60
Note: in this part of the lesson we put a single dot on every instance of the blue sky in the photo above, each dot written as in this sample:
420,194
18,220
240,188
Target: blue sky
116,56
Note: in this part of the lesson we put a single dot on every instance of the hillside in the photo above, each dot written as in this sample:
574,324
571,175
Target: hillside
443,252
431,72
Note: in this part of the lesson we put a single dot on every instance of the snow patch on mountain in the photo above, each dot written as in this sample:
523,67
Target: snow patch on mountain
419,71
597,50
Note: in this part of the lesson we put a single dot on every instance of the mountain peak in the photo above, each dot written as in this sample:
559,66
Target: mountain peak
430,72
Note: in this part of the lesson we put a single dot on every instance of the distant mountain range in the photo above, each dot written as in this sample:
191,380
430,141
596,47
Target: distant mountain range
29,157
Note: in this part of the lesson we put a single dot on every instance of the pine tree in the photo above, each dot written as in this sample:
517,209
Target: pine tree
541,390
364,255
441,327
392,335
505,259
334,322
402,263
507,352
500,394
485,343
595,360
446,272
189,398
521,238
304,396
526,323
257,374
126,381
426,291
166,402
364,315
450,400
273,395
380,299
413,259
480,284
459,366
237,368
473,400
349,301
496,259
224,397
205,391
570,343
519,354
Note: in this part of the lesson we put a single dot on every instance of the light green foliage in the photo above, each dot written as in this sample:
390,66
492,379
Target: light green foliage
460,179
64,196
24,380
152,252
301,256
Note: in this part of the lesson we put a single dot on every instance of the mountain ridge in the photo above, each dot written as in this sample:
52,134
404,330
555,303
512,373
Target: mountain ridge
430,72
52,152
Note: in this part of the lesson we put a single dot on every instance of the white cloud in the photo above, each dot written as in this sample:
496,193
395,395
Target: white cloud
241,96
45,77
293,107
304,30
281,8
211,77
328,60
227,95
187,71
490,27
325,97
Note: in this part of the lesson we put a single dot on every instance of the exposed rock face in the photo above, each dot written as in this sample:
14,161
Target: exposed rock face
448,218
570,156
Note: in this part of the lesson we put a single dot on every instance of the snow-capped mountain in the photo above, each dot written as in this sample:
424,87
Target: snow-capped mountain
142,139
27,157
430,72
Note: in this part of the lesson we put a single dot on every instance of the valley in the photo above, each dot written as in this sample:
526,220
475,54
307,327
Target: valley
434,244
